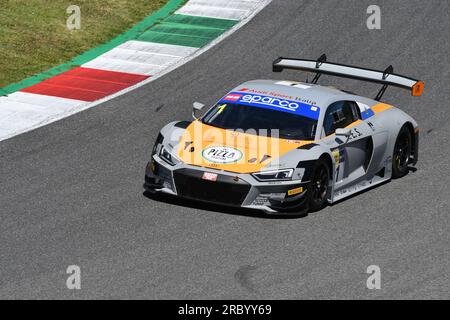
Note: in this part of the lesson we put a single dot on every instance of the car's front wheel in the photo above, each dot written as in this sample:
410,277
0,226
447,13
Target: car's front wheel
319,186
402,153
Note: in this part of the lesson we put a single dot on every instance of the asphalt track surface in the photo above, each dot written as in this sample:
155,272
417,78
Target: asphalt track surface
71,192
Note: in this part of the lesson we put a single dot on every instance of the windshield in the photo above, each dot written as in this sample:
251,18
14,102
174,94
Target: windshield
237,116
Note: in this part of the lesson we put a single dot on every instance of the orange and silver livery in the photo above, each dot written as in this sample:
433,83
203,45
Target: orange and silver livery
287,146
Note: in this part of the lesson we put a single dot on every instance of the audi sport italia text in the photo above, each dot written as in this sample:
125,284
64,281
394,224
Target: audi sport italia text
285,146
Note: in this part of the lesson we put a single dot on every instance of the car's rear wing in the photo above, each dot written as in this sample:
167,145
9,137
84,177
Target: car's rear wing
320,66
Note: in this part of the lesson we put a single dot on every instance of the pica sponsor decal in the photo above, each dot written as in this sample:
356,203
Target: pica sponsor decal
222,154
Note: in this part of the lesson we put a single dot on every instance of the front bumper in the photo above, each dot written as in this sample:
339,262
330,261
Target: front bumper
230,189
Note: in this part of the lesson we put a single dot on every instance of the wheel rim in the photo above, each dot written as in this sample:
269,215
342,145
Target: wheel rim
402,152
320,184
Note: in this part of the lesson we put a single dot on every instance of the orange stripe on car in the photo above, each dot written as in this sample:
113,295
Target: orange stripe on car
257,151
380,107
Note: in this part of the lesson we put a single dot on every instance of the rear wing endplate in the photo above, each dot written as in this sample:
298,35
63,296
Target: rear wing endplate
320,66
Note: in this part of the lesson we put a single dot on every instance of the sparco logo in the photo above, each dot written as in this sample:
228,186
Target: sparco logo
270,101
222,154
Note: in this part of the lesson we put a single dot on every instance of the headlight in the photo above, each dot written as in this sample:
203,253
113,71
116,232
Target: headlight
158,141
167,156
276,175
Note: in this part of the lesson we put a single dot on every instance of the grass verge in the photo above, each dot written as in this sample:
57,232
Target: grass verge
34,36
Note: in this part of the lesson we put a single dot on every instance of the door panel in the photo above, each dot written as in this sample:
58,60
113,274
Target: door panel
355,154
380,137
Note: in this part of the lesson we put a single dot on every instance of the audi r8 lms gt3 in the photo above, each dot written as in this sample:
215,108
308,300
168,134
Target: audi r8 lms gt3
286,146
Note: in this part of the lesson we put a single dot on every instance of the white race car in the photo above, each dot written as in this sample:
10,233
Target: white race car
285,146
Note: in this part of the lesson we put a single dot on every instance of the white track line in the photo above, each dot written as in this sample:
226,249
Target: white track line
122,66
158,48
220,9
20,111
140,57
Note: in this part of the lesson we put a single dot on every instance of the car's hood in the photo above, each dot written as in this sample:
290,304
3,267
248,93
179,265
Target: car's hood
211,147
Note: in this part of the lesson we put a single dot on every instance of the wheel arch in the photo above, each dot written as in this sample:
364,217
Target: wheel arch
414,141
327,158
308,158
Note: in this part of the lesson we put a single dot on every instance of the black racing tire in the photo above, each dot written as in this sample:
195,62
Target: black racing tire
402,153
319,186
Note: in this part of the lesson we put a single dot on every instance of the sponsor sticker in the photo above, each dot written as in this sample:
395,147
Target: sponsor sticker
221,154
274,103
270,101
232,97
295,191
294,141
336,156
209,176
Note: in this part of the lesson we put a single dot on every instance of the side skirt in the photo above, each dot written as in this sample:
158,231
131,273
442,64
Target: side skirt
358,187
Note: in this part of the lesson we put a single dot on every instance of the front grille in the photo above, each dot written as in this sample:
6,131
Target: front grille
226,190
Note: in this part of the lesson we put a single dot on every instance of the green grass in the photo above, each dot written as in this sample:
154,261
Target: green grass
34,36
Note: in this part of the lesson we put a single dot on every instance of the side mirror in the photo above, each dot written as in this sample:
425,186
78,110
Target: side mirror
196,106
345,132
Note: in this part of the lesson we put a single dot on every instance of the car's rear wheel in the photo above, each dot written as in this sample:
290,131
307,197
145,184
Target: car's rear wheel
402,153
319,186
